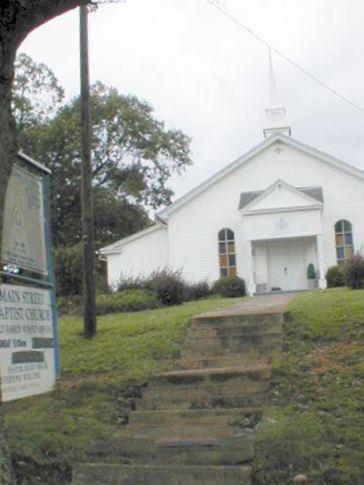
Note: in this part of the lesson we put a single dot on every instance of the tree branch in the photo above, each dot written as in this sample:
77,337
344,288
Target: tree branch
19,17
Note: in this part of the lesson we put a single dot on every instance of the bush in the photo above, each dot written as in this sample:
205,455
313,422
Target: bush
126,301
168,285
335,276
229,287
311,272
70,305
196,291
354,272
130,283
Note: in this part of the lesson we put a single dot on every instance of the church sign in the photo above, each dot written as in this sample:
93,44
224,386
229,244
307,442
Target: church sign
29,360
23,230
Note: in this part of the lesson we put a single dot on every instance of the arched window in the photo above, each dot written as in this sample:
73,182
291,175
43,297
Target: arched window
344,241
227,256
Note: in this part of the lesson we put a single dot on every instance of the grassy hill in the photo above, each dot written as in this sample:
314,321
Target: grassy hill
100,380
313,420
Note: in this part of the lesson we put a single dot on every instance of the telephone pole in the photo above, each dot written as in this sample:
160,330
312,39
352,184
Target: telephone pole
88,237
89,291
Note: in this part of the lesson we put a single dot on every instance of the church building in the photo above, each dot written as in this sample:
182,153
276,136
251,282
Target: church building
266,217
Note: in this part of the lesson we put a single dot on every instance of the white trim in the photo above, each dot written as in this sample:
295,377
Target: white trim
329,159
271,188
36,164
298,208
115,248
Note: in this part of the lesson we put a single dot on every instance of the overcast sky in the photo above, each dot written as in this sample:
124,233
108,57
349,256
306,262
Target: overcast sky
206,76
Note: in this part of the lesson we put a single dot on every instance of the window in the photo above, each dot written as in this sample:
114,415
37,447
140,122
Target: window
343,241
227,256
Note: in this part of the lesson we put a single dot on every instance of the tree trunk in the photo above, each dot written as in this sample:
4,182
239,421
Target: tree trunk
8,151
8,146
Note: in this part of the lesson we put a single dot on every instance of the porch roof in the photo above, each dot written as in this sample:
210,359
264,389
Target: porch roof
314,192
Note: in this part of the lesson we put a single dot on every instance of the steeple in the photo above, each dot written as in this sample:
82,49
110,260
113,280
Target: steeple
275,115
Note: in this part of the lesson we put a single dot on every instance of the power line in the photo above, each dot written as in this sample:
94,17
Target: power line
216,6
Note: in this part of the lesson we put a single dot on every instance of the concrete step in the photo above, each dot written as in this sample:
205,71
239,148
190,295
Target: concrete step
207,388
240,417
217,344
252,320
192,445
181,402
230,359
197,377
106,474
202,329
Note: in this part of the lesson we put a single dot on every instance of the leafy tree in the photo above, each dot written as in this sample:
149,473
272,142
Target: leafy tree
37,93
133,156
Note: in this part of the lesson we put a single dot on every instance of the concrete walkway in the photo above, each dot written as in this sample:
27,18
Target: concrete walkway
257,304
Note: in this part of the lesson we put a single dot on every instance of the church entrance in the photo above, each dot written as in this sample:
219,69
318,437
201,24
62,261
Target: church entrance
286,265
281,264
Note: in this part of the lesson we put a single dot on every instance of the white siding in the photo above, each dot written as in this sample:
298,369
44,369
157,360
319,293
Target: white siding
193,228
139,257
282,224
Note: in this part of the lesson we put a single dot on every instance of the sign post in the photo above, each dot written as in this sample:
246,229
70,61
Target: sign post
29,358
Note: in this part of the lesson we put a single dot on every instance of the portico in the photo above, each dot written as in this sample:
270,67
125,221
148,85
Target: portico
282,229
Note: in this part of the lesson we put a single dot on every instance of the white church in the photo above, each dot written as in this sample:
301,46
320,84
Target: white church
266,216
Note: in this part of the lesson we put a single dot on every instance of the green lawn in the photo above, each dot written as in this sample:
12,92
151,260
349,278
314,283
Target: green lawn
48,433
314,420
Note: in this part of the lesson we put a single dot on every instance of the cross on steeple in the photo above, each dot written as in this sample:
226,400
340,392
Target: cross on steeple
276,121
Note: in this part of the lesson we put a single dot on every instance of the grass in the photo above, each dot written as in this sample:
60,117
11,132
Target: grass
314,421
48,433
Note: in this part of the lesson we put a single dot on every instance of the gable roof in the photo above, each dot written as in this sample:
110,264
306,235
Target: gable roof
288,140
313,192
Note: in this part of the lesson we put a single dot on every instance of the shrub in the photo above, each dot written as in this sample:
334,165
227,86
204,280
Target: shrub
168,285
229,287
70,305
335,276
311,272
354,272
126,301
196,291
127,282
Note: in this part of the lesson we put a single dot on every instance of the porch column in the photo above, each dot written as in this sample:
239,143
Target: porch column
320,261
250,283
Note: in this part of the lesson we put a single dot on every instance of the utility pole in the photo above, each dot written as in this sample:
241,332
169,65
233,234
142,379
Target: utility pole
89,287
89,291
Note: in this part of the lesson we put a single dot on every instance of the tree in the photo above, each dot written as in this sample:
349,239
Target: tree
133,154
37,94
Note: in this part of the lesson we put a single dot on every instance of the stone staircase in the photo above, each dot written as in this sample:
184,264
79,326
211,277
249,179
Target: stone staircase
195,425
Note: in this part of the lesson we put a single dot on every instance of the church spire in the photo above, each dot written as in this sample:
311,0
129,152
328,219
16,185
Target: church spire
276,121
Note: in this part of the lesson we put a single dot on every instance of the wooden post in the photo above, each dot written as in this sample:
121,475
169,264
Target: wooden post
86,184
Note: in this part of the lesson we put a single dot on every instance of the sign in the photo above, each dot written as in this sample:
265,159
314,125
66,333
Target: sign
23,242
29,359
26,342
